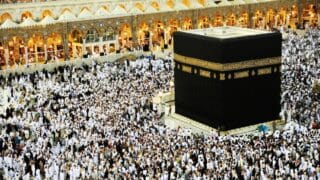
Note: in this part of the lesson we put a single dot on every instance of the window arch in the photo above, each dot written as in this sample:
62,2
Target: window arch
46,13
109,34
92,36
26,15
4,17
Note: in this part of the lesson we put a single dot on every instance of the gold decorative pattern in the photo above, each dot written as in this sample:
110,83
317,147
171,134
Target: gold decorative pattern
227,66
241,74
222,76
186,69
204,73
264,71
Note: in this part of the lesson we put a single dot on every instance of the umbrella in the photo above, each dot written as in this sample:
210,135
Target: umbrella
263,128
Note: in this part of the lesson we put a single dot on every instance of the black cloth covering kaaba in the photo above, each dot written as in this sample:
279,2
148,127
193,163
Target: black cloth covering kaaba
240,87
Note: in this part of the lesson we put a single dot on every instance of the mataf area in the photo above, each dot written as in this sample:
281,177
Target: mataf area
86,88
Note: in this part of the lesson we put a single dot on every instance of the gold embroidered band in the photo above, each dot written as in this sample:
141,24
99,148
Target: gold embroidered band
227,66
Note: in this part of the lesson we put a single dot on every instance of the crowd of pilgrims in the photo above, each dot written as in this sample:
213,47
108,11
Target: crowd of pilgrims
300,73
98,122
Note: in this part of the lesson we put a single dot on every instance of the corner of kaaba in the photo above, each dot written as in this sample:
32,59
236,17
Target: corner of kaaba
227,77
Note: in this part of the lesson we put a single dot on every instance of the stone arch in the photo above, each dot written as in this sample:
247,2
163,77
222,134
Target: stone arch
258,19
85,8
170,3
106,7
75,43
218,19
36,50
76,36
231,19
202,2
155,5
125,34
55,45
280,16
108,33
143,33
270,17
92,35
65,9
2,56
186,24
4,17
16,50
140,6
309,15
25,15
186,2
243,19
158,31
45,13
203,22
173,25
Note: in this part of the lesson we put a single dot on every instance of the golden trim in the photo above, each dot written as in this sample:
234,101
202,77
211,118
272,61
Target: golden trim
264,71
227,66
222,76
241,74
204,73
186,69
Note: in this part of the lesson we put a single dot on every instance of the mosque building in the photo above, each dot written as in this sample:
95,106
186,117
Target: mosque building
38,31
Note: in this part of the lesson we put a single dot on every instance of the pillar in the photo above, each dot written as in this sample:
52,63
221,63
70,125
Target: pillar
55,50
100,44
195,18
287,20
26,54
65,44
300,5
36,52
250,15
134,29
150,42
83,46
165,37
6,56
45,52
263,22
116,45
74,51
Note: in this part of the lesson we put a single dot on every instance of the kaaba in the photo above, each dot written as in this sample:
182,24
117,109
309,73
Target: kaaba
227,77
